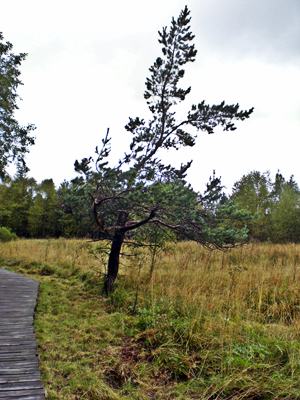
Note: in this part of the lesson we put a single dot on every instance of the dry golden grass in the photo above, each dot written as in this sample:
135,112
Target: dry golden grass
256,281
63,252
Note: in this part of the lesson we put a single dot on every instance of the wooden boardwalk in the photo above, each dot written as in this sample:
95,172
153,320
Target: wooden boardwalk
19,367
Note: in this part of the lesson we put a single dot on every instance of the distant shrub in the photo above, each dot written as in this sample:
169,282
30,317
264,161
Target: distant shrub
6,235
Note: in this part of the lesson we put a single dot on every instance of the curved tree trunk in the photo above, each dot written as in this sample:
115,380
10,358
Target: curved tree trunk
113,262
114,256
121,228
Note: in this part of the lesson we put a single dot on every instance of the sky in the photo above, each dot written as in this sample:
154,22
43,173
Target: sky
88,61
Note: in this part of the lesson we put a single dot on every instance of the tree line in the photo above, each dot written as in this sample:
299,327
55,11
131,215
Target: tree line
40,210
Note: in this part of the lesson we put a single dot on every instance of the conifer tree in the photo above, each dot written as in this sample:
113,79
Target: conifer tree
129,195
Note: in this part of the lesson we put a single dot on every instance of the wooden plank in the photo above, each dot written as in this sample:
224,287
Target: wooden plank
17,350
19,394
17,356
20,378
17,371
19,367
27,397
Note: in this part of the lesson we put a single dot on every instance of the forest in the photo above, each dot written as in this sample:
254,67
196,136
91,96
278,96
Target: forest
40,210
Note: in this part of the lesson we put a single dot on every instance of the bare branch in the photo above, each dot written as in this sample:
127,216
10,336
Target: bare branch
137,244
170,226
133,225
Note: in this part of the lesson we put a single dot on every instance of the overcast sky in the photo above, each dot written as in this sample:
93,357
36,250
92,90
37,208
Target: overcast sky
87,63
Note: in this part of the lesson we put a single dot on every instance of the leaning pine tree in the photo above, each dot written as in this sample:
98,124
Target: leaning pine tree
141,192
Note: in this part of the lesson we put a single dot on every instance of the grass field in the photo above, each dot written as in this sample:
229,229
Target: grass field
203,325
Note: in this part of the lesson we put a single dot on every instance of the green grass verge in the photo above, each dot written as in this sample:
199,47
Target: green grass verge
97,348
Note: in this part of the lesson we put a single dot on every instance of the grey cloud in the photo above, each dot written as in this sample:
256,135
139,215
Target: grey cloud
269,29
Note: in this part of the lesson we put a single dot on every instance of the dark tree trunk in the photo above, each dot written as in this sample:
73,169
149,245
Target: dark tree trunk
121,228
114,256
113,262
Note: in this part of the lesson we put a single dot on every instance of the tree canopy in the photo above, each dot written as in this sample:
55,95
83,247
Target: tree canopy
14,139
